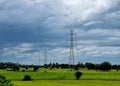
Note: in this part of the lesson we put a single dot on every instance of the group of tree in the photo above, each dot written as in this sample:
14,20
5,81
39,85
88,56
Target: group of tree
105,66
16,67
13,66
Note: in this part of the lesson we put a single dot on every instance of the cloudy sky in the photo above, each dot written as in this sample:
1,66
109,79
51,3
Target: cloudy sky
28,27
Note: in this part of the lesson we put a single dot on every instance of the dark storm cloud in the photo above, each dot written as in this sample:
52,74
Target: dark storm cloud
22,21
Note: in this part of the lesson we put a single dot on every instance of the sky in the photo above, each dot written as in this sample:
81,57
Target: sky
29,27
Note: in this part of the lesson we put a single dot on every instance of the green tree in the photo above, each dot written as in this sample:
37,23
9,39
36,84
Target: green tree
78,75
105,66
90,66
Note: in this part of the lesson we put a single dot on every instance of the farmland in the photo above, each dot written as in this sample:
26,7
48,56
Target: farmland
67,83
61,77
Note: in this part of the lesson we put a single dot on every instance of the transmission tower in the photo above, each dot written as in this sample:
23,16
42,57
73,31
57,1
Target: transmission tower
71,55
45,61
39,58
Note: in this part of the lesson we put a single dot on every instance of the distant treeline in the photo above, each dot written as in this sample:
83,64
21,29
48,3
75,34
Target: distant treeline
105,66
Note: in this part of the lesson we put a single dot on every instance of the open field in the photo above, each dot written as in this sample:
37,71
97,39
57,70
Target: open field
61,77
67,83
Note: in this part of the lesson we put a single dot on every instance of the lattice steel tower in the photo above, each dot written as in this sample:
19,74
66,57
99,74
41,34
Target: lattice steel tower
45,60
71,55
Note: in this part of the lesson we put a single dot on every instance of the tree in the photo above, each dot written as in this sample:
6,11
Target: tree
90,66
97,67
115,67
2,66
77,67
78,75
81,65
105,66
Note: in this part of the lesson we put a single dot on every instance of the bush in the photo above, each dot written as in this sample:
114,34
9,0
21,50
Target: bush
78,75
27,78
16,68
35,68
23,70
4,82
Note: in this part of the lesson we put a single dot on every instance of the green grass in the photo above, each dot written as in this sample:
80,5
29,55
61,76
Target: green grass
61,77
38,75
67,83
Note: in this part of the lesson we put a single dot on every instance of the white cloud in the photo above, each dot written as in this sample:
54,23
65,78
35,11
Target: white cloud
17,50
98,51
92,23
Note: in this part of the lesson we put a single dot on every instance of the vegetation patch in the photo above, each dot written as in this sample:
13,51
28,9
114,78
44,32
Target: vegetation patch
4,82
27,78
78,75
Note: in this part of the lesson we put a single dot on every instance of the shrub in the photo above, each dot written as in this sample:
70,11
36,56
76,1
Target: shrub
35,68
27,78
15,68
78,75
4,82
23,70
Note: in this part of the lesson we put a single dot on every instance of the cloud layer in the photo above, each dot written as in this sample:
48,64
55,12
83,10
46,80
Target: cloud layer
27,27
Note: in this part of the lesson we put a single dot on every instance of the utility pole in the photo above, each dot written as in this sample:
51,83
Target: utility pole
71,55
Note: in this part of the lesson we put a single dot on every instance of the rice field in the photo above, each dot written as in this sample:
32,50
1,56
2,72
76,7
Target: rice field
61,77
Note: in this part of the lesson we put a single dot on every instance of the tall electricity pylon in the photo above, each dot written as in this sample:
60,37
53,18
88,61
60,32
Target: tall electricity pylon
71,55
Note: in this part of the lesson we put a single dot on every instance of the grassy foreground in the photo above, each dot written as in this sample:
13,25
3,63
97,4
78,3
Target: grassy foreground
61,77
67,83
